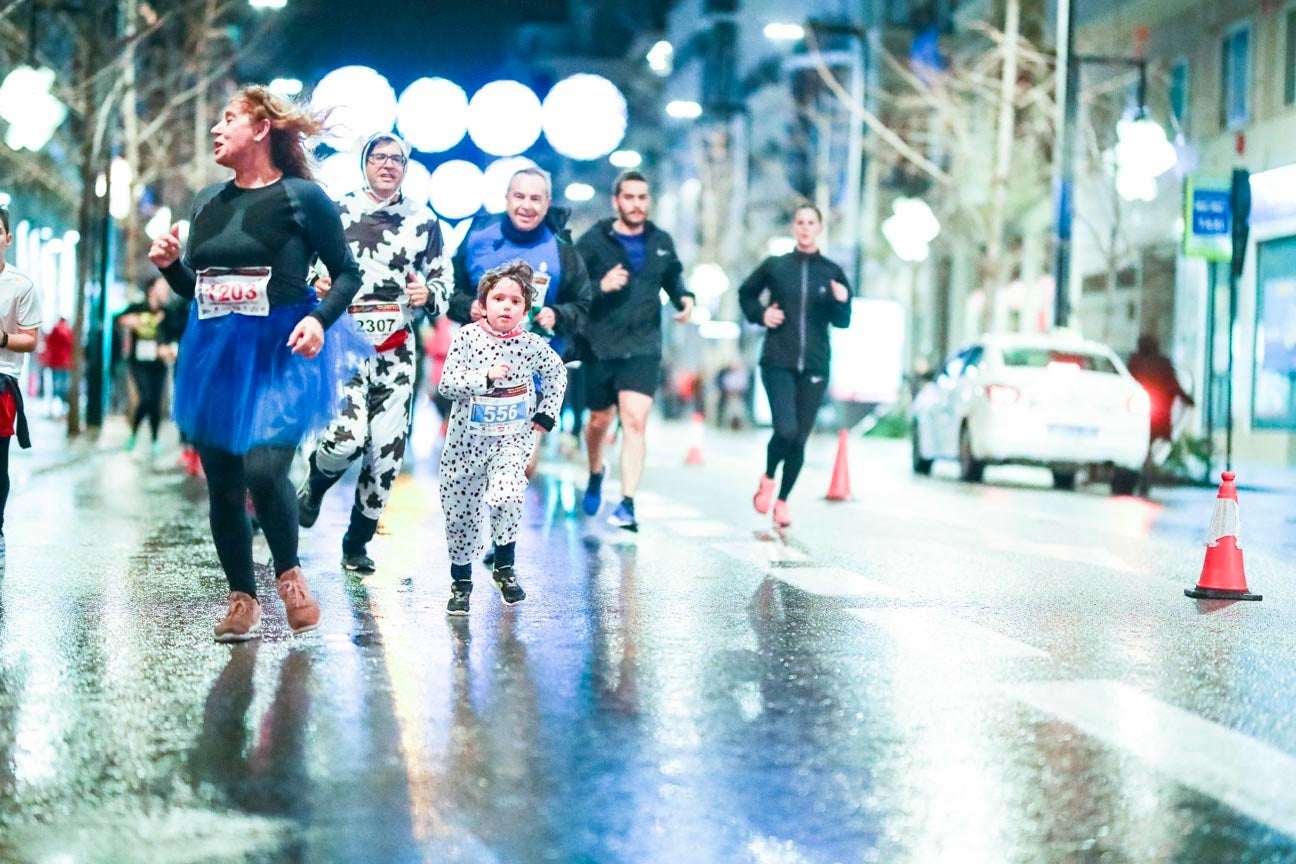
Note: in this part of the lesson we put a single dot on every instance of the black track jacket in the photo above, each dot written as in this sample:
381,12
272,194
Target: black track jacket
800,284
627,323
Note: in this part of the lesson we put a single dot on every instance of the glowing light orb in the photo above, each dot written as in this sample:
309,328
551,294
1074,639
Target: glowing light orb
498,174
456,189
584,117
432,114
504,118
360,102
340,174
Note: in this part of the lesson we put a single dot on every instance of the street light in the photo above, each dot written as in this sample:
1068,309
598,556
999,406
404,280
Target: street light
1142,154
33,113
579,192
660,58
910,229
267,4
683,109
625,159
781,31
286,86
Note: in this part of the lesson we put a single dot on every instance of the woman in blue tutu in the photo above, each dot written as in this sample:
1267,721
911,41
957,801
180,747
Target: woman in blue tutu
255,373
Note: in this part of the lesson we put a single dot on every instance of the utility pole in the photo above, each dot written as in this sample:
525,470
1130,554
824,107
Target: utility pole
1068,102
992,270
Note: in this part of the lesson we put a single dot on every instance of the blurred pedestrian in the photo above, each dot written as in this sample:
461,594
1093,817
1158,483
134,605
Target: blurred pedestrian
632,262
532,230
57,359
796,297
152,338
19,331
1156,373
405,274
256,374
732,383
490,374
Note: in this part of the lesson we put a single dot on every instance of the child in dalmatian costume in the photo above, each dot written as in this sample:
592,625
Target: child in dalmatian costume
404,267
489,374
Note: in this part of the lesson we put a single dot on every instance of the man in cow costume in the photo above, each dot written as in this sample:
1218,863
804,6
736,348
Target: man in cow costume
404,268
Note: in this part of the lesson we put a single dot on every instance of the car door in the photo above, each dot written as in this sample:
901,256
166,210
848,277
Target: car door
945,405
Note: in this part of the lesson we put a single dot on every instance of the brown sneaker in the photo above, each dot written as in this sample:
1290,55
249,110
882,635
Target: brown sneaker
303,611
241,620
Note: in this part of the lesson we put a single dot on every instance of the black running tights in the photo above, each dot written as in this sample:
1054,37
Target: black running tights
150,381
263,472
4,478
794,399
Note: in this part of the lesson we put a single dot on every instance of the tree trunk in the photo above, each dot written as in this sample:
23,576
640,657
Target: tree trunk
993,271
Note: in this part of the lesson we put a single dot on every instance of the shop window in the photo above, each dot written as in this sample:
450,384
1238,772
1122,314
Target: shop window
1273,404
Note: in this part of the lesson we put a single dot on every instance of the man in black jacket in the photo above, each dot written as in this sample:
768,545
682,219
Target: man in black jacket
631,261
530,230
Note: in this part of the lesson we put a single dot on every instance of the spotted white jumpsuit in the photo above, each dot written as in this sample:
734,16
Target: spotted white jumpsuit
478,467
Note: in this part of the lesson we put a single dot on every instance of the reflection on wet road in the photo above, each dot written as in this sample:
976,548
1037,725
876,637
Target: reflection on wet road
932,672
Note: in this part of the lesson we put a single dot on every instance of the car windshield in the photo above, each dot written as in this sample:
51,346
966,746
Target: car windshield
1052,358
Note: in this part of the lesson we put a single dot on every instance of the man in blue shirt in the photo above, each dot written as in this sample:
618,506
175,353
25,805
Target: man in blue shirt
535,232
632,261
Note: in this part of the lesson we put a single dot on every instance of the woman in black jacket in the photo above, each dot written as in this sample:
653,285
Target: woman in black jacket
795,297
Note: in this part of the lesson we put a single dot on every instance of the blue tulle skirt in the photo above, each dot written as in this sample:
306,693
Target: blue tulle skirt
238,385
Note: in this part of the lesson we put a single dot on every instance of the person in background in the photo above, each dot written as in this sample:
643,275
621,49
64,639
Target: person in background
58,359
1156,373
151,347
19,331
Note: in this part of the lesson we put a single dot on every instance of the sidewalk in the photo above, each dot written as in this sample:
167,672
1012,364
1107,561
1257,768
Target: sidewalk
51,450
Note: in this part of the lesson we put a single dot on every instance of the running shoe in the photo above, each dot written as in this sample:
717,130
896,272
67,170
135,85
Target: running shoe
764,494
781,517
459,593
308,506
593,499
241,620
506,581
357,562
624,517
302,610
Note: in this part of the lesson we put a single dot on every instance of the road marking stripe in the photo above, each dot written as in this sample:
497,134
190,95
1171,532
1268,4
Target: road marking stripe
1247,775
761,553
935,631
833,582
700,528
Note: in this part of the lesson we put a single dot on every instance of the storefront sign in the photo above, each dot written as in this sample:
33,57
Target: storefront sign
1207,219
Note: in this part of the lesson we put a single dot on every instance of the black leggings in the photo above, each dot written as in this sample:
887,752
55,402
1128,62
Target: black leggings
150,381
4,478
794,399
264,473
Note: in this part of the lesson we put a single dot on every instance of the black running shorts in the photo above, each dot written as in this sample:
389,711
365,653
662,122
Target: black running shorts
604,379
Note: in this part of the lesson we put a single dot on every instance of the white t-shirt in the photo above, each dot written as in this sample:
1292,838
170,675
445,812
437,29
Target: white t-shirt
19,310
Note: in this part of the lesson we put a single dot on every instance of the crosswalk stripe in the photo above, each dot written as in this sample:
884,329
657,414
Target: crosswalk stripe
1247,775
833,582
941,633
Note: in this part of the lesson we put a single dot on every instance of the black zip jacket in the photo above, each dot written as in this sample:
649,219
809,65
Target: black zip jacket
800,284
627,323
573,302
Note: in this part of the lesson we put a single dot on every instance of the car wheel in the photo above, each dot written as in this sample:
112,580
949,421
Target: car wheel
1124,481
1064,480
971,469
920,465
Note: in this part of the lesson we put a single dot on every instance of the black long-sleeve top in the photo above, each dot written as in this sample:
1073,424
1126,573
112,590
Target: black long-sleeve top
282,226
801,284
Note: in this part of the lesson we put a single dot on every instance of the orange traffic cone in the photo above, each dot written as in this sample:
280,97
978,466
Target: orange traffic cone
1223,576
839,488
694,456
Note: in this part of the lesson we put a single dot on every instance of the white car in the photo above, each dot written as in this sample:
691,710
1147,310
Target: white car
1058,401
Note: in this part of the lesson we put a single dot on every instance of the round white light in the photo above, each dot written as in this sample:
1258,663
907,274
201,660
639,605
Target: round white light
496,180
158,224
777,31
684,109
626,159
456,189
4,199
780,245
340,174
1143,153
579,192
432,114
454,233
33,113
286,86
709,281
360,102
660,58
417,185
910,229
504,118
119,180
584,117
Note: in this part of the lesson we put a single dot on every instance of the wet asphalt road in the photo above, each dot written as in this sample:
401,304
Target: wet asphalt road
931,672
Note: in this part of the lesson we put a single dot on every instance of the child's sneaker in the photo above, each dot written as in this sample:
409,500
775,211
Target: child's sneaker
459,593
506,581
